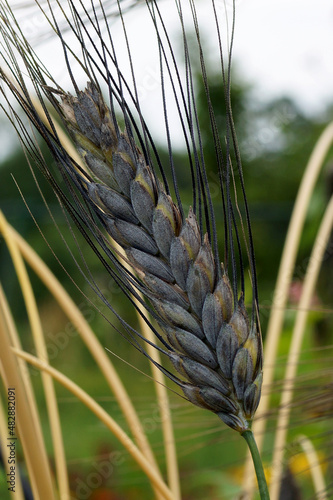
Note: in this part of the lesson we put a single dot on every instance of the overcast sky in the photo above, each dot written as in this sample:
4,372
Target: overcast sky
286,46
282,47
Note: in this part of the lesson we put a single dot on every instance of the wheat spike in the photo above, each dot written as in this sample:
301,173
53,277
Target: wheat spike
212,344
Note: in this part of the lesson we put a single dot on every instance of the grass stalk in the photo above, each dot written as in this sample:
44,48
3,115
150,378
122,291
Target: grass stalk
288,259
34,451
164,409
162,395
104,417
296,343
14,338
262,484
15,341
315,467
39,341
92,343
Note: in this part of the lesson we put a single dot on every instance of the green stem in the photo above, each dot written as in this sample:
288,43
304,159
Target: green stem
249,438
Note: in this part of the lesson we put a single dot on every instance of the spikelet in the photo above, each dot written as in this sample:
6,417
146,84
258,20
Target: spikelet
212,345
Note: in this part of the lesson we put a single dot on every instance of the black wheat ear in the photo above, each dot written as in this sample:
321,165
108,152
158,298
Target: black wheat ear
210,341
206,332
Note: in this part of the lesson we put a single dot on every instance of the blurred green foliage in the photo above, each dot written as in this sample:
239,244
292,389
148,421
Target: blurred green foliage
276,140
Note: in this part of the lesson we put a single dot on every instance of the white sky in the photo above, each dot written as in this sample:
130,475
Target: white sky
282,47
286,46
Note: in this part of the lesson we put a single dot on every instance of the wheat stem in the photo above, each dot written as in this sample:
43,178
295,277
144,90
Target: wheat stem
249,438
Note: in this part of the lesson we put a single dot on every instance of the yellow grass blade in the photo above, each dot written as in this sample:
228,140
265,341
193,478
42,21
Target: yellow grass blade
276,318
17,494
315,467
15,341
161,393
103,417
296,344
39,341
34,452
159,379
89,338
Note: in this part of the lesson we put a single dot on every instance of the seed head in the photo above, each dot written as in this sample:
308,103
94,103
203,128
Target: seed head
211,343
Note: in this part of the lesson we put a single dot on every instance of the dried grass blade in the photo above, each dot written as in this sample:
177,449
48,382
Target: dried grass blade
104,417
17,494
315,467
310,280
15,341
162,397
38,337
89,338
288,259
34,452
